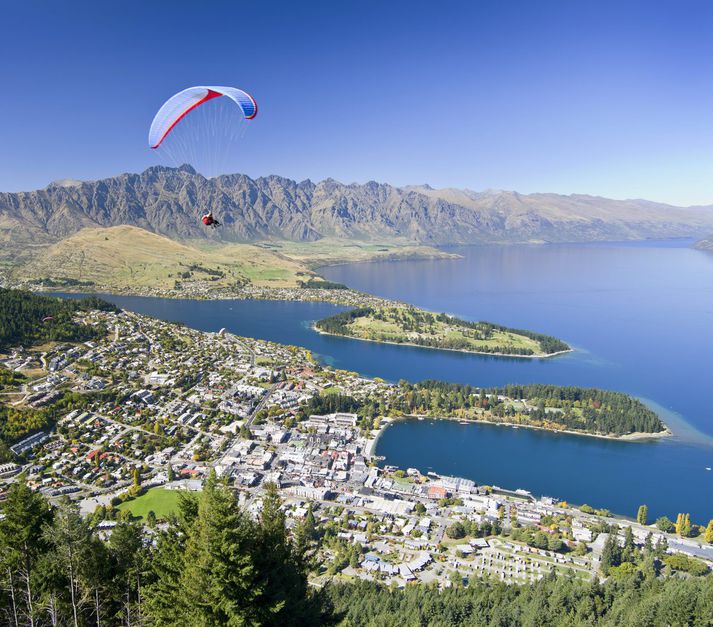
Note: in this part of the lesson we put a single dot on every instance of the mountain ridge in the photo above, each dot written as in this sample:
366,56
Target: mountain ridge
169,201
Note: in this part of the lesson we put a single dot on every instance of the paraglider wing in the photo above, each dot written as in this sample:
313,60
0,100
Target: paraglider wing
181,104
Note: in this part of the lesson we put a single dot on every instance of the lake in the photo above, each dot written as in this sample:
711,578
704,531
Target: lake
640,316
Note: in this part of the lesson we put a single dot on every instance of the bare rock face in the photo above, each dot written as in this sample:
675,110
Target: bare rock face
170,201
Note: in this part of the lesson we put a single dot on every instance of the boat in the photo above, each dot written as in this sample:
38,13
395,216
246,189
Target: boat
708,467
463,422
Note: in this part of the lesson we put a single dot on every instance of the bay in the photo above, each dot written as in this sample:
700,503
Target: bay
639,315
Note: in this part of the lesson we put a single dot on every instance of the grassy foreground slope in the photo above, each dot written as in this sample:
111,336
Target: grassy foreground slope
129,257
408,325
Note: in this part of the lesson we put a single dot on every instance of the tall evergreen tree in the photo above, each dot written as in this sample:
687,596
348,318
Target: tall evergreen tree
285,599
611,553
96,575
25,514
643,515
629,550
164,596
70,538
219,585
126,548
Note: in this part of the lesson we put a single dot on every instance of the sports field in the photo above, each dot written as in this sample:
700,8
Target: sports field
163,502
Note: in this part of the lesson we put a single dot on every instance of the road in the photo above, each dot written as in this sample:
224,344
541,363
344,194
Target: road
261,404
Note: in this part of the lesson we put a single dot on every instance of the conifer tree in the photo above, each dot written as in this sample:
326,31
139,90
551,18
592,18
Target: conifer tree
25,514
611,553
643,515
219,583
70,538
126,548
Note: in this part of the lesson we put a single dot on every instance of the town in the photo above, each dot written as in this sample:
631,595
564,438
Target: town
156,407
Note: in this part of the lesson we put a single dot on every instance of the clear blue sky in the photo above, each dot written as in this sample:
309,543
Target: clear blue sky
608,98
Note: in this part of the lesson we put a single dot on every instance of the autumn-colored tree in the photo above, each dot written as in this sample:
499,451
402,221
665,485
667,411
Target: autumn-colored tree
708,534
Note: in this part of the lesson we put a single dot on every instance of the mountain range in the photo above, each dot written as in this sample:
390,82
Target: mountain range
169,202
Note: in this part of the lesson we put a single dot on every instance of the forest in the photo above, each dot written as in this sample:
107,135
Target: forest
27,318
590,410
584,409
634,599
212,563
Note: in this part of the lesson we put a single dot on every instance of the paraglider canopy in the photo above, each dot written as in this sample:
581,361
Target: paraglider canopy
181,104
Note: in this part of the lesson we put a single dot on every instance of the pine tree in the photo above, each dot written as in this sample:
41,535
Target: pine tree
25,514
304,535
643,515
219,583
70,539
285,597
96,580
611,553
661,547
164,596
628,552
126,547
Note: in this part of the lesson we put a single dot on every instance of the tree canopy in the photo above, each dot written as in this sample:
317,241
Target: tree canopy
27,318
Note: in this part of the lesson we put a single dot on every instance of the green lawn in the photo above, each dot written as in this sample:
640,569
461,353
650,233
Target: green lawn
160,500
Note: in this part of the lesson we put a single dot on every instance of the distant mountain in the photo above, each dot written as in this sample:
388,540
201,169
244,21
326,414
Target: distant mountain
704,244
169,201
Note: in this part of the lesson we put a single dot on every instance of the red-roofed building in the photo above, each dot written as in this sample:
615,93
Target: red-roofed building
437,492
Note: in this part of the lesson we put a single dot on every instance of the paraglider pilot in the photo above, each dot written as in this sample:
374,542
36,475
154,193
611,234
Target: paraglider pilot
209,220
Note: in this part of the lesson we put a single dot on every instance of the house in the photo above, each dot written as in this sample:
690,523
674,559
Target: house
437,492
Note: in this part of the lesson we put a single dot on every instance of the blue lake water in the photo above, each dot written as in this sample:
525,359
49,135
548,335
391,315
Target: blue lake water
641,319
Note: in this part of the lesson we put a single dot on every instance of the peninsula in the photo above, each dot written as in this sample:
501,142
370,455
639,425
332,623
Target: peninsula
565,409
411,326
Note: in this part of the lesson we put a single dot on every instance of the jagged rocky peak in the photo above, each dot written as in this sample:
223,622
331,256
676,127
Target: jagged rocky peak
169,201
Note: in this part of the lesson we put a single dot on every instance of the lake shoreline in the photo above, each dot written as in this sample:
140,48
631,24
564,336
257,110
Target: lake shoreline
438,348
636,437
